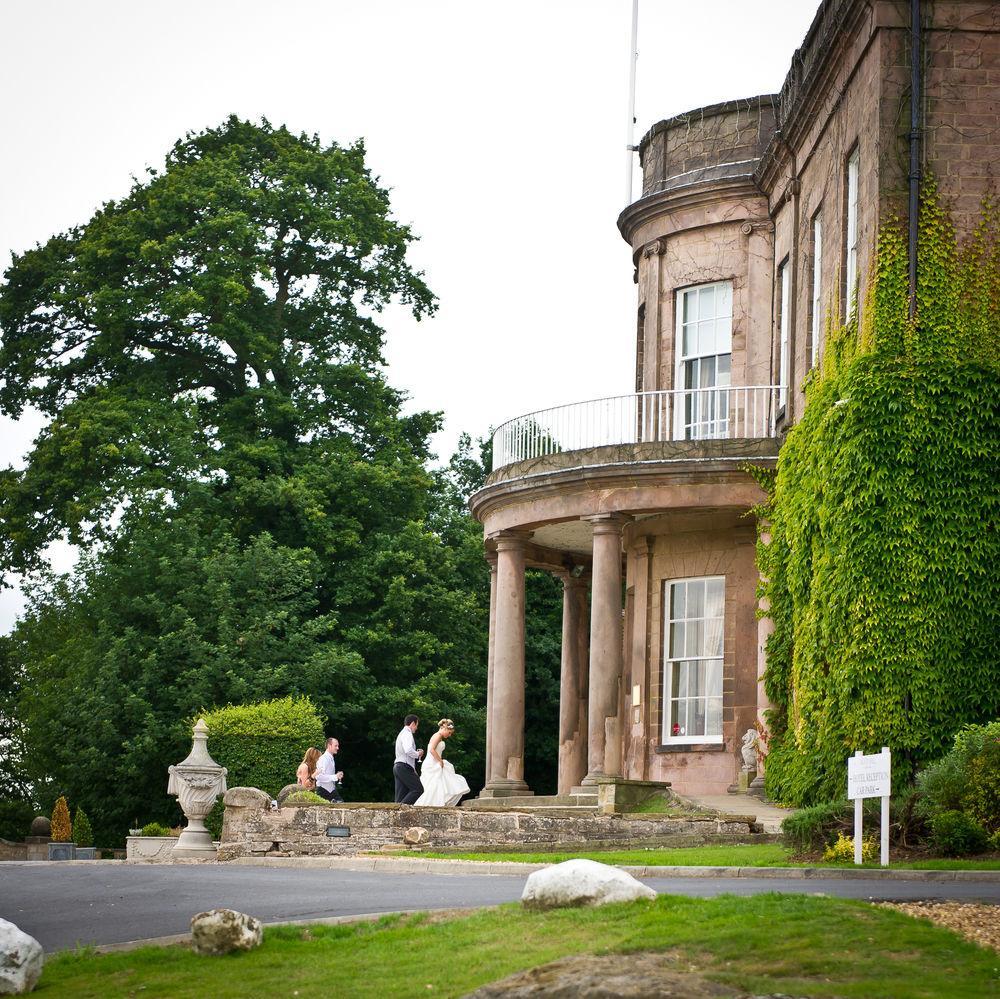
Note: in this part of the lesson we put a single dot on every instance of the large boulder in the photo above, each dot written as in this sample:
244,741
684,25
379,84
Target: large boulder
285,792
221,931
21,960
581,882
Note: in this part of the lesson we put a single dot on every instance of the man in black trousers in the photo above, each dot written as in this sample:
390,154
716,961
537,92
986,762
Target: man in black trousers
408,786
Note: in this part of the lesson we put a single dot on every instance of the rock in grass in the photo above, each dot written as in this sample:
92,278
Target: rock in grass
581,882
21,960
610,976
221,931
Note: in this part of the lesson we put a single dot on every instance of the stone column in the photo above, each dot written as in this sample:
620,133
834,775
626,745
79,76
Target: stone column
651,345
492,559
604,737
639,720
506,776
572,721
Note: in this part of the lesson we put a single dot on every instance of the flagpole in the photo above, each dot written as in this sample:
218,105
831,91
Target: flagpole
630,146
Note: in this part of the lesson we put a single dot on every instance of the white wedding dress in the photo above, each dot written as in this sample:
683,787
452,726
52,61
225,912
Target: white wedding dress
442,786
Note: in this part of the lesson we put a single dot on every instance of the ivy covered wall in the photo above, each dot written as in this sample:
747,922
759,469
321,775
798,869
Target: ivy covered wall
883,566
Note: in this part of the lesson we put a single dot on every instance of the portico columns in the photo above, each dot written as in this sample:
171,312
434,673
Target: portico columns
490,696
604,737
506,707
572,684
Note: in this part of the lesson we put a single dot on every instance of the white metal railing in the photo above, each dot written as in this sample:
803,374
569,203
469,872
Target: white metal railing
729,412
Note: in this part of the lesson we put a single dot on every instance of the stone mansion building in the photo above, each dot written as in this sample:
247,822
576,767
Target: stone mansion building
755,228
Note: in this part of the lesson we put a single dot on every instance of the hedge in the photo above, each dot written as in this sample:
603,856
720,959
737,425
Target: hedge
15,819
262,744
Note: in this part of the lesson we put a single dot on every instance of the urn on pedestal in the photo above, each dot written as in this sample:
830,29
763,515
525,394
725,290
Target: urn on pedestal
197,782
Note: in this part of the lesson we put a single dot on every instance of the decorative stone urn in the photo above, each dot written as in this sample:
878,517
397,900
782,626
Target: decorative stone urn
197,782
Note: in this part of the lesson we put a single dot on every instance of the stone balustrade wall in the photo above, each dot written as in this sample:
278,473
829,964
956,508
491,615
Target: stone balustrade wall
252,829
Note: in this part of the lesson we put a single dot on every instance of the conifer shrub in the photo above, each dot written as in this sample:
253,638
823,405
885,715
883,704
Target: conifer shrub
880,565
62,829
83,835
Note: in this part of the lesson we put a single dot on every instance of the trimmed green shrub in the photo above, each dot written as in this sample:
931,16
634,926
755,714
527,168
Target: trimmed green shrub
966,779
880,568
83,835
955,834
62,829
305,797
262,744
816,827
156,829
15,819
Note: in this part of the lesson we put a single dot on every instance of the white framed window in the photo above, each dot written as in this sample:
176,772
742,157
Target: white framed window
704,360
817,288
694,612
784,318
851,245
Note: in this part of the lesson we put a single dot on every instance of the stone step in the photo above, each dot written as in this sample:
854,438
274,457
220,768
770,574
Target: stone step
534,801
558,811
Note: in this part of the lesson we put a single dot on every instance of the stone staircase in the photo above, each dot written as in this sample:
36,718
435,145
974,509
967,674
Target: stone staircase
580,801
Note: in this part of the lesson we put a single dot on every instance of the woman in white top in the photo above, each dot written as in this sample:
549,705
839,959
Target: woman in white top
442,786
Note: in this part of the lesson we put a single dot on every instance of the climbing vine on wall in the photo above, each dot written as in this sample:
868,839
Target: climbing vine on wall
881,564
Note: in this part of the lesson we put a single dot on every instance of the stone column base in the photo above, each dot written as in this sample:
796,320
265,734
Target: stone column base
506,789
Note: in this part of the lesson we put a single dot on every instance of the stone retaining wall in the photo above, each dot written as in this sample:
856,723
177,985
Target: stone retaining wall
31,848
252,829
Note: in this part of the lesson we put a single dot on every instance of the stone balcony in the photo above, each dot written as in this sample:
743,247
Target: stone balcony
679,424
680,450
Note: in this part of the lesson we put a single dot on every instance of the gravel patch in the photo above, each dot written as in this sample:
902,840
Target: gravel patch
978,923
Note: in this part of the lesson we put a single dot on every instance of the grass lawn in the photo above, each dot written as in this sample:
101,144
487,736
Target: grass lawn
795,944
751,855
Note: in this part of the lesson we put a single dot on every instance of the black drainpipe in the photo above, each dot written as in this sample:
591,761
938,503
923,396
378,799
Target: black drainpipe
914,149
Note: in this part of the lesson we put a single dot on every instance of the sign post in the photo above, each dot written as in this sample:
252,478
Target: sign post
870,777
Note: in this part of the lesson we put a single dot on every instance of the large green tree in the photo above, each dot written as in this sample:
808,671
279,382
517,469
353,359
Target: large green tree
254,510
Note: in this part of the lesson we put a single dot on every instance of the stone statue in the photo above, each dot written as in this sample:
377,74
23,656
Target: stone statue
748,749
197,782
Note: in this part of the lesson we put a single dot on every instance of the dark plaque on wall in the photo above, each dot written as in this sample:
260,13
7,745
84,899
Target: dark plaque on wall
338,831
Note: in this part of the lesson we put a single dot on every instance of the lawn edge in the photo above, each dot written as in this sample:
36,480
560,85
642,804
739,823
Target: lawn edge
427,865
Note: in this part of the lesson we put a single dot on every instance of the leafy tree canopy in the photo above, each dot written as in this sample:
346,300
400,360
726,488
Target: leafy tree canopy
189,334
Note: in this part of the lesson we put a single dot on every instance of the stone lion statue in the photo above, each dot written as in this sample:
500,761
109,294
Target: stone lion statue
748,749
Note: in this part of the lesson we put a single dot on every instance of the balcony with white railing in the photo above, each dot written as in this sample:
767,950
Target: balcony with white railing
727,413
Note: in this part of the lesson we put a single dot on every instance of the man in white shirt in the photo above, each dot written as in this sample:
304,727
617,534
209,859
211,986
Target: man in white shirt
327,775
408,786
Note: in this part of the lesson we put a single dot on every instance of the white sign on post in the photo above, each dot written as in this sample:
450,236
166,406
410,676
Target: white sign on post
870,777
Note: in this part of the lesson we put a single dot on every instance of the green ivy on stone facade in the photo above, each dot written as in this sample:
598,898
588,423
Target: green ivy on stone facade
881,550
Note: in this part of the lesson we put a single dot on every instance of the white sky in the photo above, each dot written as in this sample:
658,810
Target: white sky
499,128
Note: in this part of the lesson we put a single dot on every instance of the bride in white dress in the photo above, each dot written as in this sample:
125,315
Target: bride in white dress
442,786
